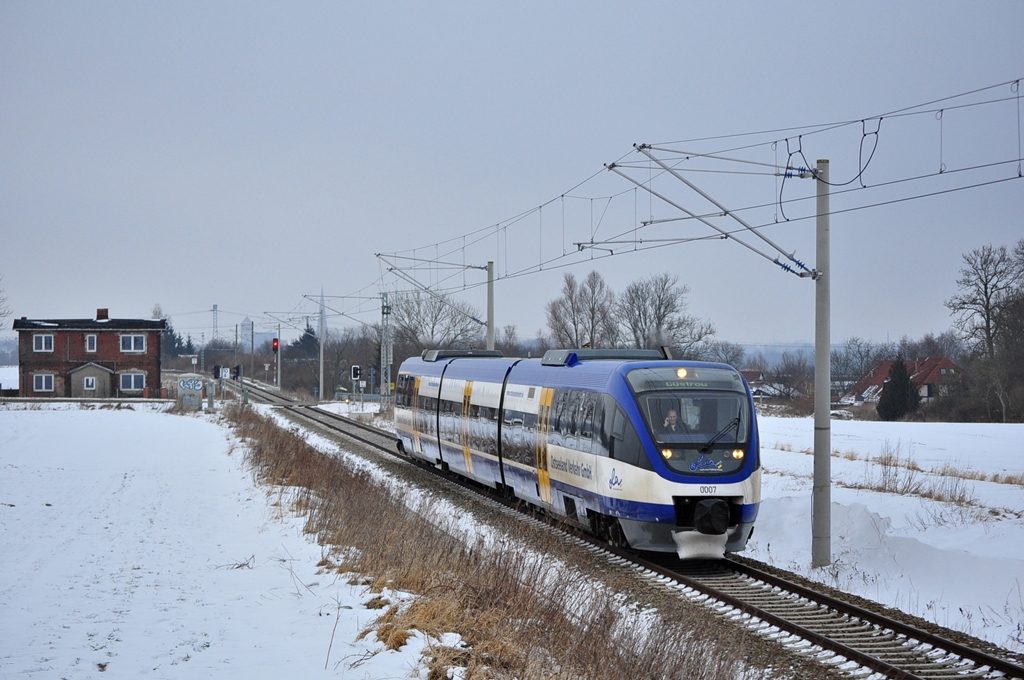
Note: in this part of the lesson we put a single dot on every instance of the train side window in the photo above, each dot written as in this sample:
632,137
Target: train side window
519,442
513,444
631,452
624,444
587,406
409,391
556,421
579,412
618,424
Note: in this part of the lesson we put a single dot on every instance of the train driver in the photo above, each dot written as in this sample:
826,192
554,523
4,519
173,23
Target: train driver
671,423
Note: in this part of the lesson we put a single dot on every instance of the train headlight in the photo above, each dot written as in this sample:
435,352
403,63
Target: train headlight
667,453
737,454
682,373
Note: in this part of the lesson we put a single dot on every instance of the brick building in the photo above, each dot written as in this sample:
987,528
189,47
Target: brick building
90,358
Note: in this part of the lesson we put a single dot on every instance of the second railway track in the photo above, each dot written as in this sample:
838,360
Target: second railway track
848,638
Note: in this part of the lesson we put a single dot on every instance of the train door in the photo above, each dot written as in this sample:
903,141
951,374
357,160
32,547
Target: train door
541,445
467,423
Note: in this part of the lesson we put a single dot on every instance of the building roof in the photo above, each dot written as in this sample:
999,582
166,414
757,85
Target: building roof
24,324
926,371
752,375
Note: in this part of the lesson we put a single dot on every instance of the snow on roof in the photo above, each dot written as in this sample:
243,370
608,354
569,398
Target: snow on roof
89,324
926,371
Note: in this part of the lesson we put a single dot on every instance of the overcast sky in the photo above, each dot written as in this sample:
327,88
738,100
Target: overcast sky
250,154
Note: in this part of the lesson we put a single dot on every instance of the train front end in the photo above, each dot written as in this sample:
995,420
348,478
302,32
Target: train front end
700,438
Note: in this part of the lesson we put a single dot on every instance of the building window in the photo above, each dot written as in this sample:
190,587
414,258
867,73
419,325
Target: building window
133,382
90,382
42,343
90,343
133,343
44,382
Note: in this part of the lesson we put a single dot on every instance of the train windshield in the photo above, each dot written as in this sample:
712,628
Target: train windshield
699,417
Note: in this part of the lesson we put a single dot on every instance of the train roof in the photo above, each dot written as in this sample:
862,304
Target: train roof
580,368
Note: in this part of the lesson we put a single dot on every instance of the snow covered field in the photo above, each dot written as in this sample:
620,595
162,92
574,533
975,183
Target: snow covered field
958,565
132,541
9,377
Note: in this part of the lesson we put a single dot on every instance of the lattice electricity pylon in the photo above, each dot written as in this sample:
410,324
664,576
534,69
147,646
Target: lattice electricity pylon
386,346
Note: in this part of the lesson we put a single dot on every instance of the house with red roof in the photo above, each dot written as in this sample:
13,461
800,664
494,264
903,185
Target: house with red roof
927,374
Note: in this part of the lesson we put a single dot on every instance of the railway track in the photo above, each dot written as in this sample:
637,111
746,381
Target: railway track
260,393
847,637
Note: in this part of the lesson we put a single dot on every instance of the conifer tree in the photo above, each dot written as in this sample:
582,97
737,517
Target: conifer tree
899,396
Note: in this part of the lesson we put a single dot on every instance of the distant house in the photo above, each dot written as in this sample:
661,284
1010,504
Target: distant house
90,358
762,388
755,379
927,374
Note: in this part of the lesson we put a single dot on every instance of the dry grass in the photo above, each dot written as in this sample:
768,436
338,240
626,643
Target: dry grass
519,614
1009,478
896,471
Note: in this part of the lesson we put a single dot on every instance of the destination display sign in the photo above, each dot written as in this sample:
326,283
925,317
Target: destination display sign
684,378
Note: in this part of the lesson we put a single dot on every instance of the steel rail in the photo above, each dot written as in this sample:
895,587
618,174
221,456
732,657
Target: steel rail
898,627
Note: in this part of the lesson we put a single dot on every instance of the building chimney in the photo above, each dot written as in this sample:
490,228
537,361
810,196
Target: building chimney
101,315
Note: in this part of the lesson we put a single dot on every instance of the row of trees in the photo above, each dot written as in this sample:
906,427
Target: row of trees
987,338
648,314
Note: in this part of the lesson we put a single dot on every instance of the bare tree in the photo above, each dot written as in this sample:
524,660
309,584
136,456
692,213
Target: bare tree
565,315
758,362
584,314
1008,372
853,361
598,302
5,310
989,276
653,313
439,322
726,353
509,344
793,376
946,344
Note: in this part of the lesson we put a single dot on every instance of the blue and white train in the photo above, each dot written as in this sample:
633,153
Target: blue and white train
644,451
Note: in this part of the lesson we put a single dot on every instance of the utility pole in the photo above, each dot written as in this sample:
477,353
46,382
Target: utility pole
490,305
322,333
252,351
821,519
488,324
386,347
821,515
280,357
